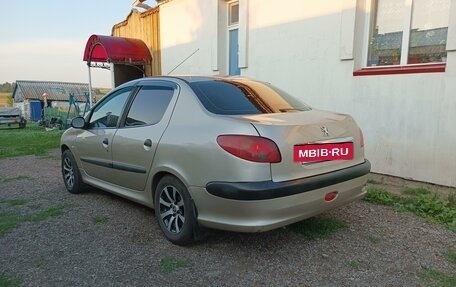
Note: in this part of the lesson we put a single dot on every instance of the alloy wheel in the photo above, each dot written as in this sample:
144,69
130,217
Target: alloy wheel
172,210
68,172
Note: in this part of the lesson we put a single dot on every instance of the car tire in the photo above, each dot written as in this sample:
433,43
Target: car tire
175,211
70,173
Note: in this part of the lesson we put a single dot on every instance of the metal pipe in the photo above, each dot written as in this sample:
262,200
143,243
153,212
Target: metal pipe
90,85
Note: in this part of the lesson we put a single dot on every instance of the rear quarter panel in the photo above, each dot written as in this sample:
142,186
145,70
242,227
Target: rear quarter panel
189,149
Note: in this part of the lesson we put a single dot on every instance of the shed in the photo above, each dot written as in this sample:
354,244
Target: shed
28,95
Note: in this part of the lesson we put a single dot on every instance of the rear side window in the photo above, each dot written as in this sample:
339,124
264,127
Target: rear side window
235,97
149,106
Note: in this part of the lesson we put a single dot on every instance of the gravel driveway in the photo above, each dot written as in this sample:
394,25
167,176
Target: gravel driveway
103,240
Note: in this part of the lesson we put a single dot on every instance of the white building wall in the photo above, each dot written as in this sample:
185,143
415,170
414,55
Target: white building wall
311,48
186,30
24,109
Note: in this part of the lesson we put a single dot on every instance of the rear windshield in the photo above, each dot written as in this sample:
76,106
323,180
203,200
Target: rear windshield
235,97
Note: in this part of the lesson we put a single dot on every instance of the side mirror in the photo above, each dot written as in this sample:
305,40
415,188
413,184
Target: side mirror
78,123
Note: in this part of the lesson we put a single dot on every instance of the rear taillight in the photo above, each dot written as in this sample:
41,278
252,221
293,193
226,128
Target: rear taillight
361,136
251,148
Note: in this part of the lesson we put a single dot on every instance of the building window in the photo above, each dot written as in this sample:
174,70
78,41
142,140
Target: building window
405,32
233,10
233,38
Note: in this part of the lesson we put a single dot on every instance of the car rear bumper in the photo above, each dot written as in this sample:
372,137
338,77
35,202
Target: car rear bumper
268,189
263,215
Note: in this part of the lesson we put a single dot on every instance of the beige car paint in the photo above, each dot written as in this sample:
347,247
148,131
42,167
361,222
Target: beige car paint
184,145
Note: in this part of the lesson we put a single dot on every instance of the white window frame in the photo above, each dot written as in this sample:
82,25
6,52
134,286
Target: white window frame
405,35
220,35
231,27
231,4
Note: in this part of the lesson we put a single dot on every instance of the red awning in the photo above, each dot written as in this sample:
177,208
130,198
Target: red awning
116,50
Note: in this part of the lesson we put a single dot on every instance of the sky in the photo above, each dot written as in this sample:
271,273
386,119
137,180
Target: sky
45,40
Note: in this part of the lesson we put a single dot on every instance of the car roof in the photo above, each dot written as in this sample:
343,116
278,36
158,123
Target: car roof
186,78
193,78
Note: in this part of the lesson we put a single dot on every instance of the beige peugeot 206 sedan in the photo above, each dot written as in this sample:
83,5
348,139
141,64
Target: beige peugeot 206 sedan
214,152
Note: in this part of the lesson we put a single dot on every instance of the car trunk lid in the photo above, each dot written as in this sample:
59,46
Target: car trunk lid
292,129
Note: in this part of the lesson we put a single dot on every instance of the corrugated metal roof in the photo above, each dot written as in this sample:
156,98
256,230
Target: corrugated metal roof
56,91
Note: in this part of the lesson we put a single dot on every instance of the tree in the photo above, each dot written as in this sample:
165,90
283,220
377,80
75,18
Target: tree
7,87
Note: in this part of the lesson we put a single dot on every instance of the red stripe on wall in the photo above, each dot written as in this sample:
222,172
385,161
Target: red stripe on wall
409,69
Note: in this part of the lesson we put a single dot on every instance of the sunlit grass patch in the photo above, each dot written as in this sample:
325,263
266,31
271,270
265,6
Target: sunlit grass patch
33,140
13,219
14,179
170,264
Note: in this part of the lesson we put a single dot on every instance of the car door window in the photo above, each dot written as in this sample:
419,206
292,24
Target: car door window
107,113
149,106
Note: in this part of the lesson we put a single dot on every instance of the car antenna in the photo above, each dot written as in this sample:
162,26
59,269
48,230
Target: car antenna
183,61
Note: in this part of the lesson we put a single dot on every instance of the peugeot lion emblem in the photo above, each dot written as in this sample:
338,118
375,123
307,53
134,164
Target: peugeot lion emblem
325,131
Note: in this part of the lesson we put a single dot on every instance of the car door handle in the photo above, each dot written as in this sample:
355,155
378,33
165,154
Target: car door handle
105,142
148,143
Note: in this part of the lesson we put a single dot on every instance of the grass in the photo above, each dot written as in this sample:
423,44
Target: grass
12,220
8,282
14,202
372,181
373,239
61,114
419,201
415,191
317,227
354,264
47,213
452,199
13,179
169,264
100,219
33,140
380,196
438,278
450,255
430,206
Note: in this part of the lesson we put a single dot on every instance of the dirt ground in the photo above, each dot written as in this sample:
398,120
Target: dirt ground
102,240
